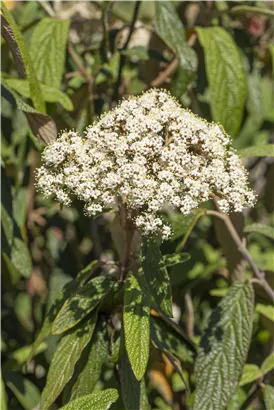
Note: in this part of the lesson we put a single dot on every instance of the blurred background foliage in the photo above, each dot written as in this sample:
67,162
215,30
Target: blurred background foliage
217,58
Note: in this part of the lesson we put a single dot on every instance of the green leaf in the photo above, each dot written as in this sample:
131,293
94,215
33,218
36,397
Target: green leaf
223,348
258,151
266,310
268,364
265,230
21,57
96,401
237,400
48,48
130,386
171,30
166,340
50,94
42,125
81,303
226,77
252,10
24,390
3,401
250,373
156,275
20,356
88,368
268,393
20,257
180,81
138,51
271,50
175,259
136,325
65,358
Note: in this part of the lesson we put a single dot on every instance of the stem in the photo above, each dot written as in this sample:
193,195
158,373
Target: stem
125,262
243,250
123,57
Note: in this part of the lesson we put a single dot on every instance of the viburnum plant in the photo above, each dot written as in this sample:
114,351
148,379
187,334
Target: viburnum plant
139,160
136,246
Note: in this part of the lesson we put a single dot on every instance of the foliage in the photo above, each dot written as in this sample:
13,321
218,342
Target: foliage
94,316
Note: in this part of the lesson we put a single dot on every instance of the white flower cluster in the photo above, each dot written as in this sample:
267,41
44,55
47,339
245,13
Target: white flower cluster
150,152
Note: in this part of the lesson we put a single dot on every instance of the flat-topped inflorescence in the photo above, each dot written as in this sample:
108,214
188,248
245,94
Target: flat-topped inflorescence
151,153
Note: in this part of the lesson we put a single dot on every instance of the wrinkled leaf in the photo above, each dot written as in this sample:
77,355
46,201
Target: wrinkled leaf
136,325
81,303
96,401
226,77
258,151
223,348
50,94
20,257
171,30
156,275
65,358
268,393
48,47
88,368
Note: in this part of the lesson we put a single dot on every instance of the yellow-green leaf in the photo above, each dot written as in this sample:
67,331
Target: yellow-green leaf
65,358
268,393
136,325
96,401
226,77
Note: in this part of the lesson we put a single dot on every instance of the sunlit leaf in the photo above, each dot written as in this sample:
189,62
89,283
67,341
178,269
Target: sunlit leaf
268,364
223,348
24,390
268,393
250,373
88,368
258,151
96,401
136,325
266,310
47,50
67,354
226,77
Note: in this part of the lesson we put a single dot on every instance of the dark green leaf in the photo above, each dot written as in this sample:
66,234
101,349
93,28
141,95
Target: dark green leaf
180,81
3,400
50,94
223,348
21,57
268,393
237,400
20,257
156,276
65,358
166,340
136,325
88,368
226,77
258,151
24,390
175,259
170,28
48,47
130,386
81,303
